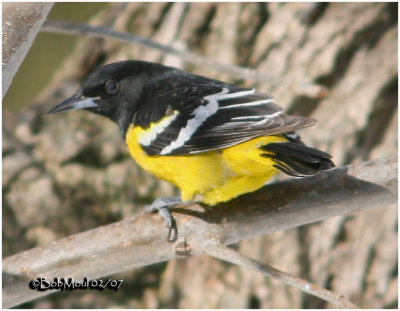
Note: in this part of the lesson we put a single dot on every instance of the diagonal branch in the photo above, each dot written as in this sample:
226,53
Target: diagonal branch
302,87
225,253
141,241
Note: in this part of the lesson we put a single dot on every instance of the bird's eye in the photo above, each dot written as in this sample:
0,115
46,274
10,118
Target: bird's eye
111,86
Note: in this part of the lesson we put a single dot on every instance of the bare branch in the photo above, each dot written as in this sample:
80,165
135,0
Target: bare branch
21,22
302,88
141,241
222,252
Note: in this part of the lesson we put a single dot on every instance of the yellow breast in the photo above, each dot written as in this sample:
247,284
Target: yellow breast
217,176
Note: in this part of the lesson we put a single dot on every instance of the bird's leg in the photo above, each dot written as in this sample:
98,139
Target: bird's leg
162,205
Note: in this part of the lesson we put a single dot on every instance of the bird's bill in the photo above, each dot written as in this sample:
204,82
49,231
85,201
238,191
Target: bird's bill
74,103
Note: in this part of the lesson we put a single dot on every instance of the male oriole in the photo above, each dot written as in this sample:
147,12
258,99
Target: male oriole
209,138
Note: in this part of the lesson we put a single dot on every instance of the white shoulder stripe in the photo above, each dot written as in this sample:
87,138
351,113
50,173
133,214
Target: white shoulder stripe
200,114
147,137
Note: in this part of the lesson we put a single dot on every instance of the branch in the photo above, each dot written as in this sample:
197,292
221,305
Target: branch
141,241
222,252
21,23
302,88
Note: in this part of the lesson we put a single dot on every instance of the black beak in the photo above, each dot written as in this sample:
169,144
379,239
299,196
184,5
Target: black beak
74,102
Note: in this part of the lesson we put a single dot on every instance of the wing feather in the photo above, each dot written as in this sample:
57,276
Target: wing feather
213,115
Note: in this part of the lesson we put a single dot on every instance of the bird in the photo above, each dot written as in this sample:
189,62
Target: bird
213,140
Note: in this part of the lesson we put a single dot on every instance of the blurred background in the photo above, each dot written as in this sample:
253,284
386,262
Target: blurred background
69,173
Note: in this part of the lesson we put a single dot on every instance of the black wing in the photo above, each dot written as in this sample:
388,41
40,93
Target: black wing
204,115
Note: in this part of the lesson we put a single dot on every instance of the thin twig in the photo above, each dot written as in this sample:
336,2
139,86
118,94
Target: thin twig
225,253
305,88
141,241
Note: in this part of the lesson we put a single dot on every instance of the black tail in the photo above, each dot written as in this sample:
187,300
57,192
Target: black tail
296,159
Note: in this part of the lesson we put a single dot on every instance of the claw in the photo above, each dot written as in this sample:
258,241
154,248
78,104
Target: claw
173,228
169,220
161,205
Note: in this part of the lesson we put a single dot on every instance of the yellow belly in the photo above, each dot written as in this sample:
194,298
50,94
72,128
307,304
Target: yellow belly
217,176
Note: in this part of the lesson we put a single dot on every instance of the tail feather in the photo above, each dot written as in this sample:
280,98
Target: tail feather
296,159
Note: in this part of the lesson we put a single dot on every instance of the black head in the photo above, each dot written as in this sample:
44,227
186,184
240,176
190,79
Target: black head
112,91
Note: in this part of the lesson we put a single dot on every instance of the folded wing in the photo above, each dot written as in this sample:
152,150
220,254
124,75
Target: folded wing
207,115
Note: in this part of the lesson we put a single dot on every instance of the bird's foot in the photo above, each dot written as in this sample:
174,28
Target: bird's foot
161,206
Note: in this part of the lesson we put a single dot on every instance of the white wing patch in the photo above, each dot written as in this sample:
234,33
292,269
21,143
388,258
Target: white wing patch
147,137
200,114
